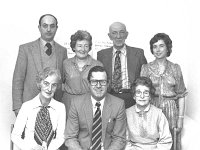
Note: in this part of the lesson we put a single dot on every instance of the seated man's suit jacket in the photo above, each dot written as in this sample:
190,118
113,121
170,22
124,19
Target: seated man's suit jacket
135,60
28,64
80,120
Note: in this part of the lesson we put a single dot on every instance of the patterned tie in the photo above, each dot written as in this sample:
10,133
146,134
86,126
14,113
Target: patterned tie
97,129
116,79
49,49
43,127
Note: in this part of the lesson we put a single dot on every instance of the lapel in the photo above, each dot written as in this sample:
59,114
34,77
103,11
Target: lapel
130,62
87,108
106,114
109,55
35,51
58,56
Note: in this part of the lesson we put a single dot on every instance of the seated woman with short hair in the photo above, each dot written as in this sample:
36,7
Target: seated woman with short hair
43,118
148,128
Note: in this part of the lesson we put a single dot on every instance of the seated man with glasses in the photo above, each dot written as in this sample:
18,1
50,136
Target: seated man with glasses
148,128
96,120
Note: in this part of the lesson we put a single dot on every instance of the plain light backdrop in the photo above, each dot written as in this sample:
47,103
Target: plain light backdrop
143,18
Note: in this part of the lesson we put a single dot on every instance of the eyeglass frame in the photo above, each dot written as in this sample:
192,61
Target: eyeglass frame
98,81
145,95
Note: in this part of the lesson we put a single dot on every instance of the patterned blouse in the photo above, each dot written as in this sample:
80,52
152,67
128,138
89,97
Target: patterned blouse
169,88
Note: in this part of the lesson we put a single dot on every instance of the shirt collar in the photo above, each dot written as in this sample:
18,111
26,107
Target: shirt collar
37,102
123,50
88,63
94,101
43,42
145,110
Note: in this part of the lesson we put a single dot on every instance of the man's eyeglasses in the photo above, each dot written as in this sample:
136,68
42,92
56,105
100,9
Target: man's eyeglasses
101,82
139,93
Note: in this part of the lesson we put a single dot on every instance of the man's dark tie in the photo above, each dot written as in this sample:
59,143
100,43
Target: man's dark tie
49,49
116,78
97,129
43,127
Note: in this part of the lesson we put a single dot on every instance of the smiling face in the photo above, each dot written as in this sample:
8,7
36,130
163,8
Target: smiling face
160,49
98,91
142,96
48,87
48,28
118,34
82,48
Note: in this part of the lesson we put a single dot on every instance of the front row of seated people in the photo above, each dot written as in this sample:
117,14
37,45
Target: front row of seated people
96,120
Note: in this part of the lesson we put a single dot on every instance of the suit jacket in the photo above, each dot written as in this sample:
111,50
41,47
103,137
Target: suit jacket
80,120
135,60
27,66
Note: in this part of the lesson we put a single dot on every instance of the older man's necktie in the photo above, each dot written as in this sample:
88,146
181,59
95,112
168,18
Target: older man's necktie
43,127
97,129
116,78
49,49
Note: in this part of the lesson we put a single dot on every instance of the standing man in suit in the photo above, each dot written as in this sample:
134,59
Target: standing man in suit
130,61
32,58
84,131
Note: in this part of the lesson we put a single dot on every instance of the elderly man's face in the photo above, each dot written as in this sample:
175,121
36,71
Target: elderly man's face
98,85
48,28
118,34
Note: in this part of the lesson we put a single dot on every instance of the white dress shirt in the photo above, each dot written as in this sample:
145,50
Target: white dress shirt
94,107
26,120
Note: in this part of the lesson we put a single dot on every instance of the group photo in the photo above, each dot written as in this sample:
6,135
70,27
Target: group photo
117,75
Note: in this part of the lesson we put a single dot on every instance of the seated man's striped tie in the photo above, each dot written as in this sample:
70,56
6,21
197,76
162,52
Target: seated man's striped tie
43,127
97,129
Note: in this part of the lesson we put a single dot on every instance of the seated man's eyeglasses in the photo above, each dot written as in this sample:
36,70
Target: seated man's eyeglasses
139,93
101,82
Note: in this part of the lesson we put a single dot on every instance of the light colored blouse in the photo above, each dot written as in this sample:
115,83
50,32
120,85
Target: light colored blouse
148,130
26,120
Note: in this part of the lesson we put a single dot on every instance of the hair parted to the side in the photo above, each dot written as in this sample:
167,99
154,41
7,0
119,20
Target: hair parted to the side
165,38
96,69
48,71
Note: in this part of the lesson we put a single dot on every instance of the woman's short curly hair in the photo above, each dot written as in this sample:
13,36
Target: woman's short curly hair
165,38
80,35
145,81
48,71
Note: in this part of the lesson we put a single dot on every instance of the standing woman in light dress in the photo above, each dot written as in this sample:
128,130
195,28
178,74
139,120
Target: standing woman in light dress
148,128
76,68
168,80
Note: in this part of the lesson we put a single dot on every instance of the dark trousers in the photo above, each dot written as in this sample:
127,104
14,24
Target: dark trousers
126,96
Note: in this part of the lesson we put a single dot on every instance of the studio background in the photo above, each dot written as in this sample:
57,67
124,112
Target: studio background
143,18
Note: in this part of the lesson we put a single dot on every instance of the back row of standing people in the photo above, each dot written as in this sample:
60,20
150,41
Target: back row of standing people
36,55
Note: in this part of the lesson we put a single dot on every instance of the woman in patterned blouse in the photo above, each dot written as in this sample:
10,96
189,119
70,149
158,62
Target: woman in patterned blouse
168,80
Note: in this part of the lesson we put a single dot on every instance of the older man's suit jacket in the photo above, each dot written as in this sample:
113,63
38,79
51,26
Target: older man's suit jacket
28,64
80,120
135,60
